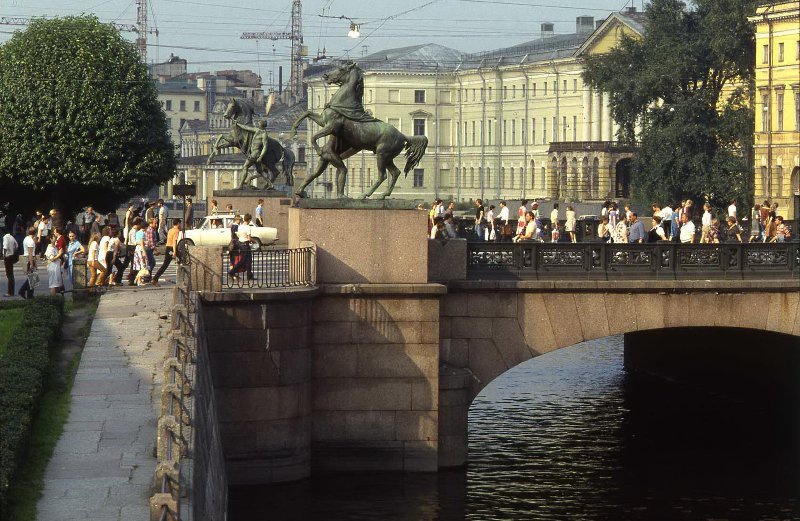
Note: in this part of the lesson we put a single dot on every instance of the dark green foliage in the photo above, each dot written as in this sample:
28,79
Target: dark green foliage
22,372
676,82
80,121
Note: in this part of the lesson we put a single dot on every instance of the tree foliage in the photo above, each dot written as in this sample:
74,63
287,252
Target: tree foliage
688,84
80,122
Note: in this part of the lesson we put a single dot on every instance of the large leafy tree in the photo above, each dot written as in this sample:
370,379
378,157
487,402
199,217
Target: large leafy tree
688,83
80,122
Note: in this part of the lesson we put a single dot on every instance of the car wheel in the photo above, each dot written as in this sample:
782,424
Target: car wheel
255,243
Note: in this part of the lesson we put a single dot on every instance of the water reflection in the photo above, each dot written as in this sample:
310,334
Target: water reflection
570,435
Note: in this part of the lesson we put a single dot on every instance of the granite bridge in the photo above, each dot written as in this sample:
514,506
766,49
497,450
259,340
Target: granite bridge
372,360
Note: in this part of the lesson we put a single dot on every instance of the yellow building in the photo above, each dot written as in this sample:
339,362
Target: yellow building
777,125
181,101
512,123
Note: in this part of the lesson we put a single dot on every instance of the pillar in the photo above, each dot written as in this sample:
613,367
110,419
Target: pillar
216,179
587,115
597,103
607,123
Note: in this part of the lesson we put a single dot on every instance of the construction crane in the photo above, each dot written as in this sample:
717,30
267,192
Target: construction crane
298,49
140,28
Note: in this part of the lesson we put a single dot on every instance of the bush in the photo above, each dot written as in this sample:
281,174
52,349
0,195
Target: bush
23,368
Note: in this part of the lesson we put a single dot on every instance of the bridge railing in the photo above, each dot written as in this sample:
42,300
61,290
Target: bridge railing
269,268
603,261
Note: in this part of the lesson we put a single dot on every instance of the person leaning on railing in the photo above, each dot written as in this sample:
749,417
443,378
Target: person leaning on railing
530,233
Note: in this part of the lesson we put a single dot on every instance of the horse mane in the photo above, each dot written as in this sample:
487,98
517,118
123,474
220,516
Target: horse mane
247,107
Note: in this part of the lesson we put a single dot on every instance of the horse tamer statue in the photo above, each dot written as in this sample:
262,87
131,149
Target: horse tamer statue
352,129
261,151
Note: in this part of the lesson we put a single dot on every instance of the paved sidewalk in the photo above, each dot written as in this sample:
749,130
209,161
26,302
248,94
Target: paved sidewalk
103,465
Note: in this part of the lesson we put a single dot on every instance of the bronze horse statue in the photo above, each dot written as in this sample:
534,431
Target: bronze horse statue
241,111
352,130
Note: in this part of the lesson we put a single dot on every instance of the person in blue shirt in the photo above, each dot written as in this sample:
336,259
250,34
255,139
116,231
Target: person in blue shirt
636,233
259,220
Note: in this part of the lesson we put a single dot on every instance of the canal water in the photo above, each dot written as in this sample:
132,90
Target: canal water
571,436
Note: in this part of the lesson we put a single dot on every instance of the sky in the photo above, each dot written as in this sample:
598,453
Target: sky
207,32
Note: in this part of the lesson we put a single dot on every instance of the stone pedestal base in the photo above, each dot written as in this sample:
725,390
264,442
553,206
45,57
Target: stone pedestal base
364,245
276,207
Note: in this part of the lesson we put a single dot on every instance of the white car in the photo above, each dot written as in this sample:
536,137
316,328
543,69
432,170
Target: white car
216,231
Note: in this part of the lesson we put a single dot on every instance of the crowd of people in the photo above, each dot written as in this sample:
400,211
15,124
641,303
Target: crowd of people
110,247
617,223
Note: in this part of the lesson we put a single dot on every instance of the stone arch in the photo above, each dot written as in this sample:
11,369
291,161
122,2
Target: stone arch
573,180
795,181
487,333
584,190
622,178
553,181
594,178
562,179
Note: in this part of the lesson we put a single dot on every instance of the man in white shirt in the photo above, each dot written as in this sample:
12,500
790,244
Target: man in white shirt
245,262
162,221
732,209
687,230
9,258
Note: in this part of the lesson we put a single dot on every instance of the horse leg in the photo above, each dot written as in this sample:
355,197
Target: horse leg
381,160
316,118
323,164
214,150
395,173
341,172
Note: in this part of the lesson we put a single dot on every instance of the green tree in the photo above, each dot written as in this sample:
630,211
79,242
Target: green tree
688,83
80,122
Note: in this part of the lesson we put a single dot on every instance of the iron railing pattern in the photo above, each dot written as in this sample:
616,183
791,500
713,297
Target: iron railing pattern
270,268
662,260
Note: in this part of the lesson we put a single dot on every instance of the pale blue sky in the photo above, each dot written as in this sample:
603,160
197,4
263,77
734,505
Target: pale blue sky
207,32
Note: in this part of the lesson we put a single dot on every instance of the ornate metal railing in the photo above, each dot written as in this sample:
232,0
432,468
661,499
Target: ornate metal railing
269,268
601,261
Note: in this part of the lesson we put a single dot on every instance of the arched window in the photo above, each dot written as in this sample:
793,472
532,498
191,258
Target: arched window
779,181
532,179
471,177
511,181
594,178
795,182
764,181
488,177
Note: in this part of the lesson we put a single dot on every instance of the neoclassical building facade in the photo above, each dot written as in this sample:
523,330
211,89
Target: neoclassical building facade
512,123
777,122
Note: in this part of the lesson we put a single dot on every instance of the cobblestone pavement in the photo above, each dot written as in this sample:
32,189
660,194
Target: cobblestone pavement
103,464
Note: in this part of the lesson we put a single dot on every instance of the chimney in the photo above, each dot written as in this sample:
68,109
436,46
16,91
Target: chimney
547,30
630,10
584,25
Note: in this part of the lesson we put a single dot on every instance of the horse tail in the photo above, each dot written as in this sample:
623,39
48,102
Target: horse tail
415,149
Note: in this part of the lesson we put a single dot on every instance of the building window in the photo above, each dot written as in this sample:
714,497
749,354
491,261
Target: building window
533,131
301,154
513,131
533,90
505,133
183,106
779,103
419,126
473,133
797,110
169,123
764,112
523,91
505,92
419,96
575,85
565,86
544,131
522,132
779,181
765,54
473,94
555,129
490,93
419,177
780,52
564,128
197,106
575,128
489,128
555,87
513,92
544,85
169,104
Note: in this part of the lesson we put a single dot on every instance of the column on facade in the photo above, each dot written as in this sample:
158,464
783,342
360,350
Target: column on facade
236,178
216,179
597,104
607,122
587,114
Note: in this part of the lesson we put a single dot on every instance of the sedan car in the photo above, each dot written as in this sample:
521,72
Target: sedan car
216,231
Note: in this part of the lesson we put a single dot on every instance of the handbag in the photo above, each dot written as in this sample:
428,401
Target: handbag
33,279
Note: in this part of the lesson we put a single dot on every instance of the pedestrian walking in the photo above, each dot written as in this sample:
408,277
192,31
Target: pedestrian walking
489,232
506,230
95,269
10,257
523,207
55,256
259,213
150,240
162,221
569,225
480,219
189,224
169,250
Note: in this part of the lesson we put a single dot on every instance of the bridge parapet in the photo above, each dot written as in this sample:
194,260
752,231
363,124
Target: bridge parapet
605,261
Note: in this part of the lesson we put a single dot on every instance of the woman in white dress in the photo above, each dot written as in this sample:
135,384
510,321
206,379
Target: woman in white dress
569,226
102,257
54,253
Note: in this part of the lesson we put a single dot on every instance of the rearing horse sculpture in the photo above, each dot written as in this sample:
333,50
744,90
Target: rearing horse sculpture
353,130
